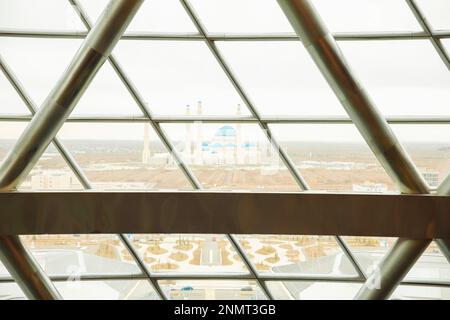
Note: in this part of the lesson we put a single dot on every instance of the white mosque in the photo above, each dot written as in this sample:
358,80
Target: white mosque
225,147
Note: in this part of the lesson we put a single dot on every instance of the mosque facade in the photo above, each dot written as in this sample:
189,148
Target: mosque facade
226,146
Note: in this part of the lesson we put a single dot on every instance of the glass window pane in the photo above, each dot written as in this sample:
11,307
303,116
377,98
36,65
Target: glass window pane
118,156
188,253
281,78
106,95
432,265
211,290
106,290
446,43
41,15
9,133
78,255
403,77
333,157
295,254
437,13
366,15
3,271
429,148
10,102
237,16
11,291
173,74
231,156
38,63
51,172
421,293
153,16
369,251
310,290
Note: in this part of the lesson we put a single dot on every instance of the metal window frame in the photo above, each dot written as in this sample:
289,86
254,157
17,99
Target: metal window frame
326,54
155,121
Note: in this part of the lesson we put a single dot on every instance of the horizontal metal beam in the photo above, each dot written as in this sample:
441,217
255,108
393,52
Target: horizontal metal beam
227,276
286,36
235,119
391,215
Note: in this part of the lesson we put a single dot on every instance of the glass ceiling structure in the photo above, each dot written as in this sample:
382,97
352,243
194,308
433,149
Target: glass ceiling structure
223,96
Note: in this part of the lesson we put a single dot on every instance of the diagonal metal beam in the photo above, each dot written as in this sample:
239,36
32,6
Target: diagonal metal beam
244,96
443,244
66,93
325,52
141,104
141,264
69,159
251,268
29,103
428,29
264,125
25,270
44,126
288,162
84,19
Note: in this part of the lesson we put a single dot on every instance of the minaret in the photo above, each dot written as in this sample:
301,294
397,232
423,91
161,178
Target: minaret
188,142
198,148
239,151
146,147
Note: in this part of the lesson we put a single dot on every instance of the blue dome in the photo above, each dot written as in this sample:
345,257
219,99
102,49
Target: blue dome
226,131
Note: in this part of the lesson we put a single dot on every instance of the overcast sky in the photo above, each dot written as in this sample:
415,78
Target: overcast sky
402,77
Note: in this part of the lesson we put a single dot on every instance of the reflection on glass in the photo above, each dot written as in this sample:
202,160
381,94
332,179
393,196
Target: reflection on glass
432,265
188,253
369,251
310,290
295,254
78,255
421,293
122,156
333,157
211,290
106,290
10,291
231,156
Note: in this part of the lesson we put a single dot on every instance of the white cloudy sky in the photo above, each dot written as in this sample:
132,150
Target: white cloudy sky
403,77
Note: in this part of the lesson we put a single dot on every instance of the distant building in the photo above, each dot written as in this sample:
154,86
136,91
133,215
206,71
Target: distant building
59,181
226,146
370,187
432,178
